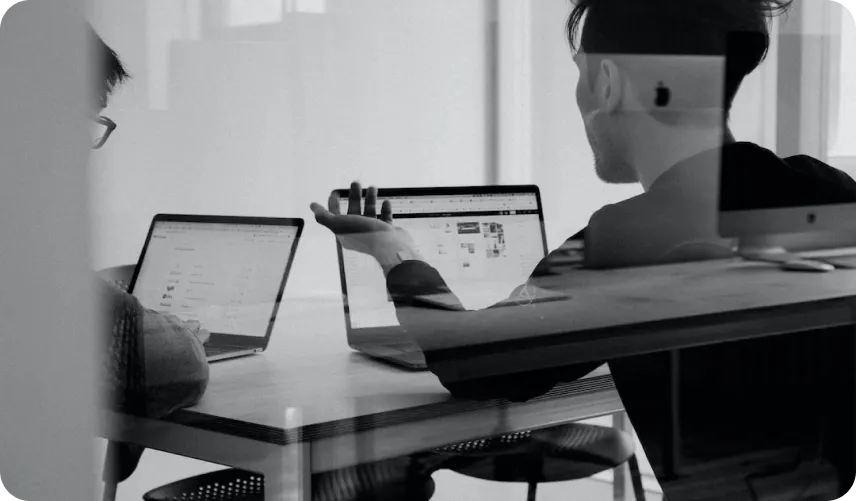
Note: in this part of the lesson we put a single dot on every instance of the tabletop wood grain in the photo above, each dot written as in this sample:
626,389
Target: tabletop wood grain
310,368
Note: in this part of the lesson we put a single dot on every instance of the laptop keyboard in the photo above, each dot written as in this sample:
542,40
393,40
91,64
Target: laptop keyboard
413,357
210,351
219,350
406,352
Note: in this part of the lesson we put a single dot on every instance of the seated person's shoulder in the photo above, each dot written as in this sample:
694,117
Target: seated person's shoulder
172,357
654,229
118,308
834,179
631,212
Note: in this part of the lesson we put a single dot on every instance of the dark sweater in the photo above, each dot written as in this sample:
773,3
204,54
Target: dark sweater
151,367
760,377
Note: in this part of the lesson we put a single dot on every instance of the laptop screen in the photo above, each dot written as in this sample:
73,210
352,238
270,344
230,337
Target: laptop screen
226,276
484,245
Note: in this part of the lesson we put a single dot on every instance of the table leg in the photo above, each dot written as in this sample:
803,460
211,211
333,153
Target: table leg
288,476
619,485
846,477
109,492
672,460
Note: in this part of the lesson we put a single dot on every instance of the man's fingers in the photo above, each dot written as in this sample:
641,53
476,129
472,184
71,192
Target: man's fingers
371,202
333,222
355,199
318,210
333,203
322,215
204,335
386,212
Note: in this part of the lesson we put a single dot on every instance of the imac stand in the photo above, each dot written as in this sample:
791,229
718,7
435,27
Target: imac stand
764,249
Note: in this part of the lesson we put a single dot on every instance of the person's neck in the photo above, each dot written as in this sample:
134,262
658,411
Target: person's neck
659,149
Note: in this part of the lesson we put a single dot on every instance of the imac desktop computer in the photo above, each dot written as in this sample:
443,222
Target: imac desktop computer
811,207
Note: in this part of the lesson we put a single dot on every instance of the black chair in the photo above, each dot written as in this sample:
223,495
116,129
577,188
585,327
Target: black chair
118,275
392,480
563,453
120,460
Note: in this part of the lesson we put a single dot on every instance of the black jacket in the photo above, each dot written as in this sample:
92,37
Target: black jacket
758,377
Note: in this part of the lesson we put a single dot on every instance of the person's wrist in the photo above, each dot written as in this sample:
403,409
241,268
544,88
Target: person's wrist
391,259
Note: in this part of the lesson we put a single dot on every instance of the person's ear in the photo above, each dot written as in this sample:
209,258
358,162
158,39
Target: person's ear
610,88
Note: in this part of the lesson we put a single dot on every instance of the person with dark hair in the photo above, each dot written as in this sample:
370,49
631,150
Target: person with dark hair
736,399
692,27
110,71
154,364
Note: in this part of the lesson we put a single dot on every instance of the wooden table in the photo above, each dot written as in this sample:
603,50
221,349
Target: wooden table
309,404
634,311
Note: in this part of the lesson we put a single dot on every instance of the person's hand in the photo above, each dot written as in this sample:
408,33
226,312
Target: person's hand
362,231
195,327
192,326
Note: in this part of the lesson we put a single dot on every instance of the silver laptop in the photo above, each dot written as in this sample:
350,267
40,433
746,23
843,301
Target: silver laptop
228,273
484,241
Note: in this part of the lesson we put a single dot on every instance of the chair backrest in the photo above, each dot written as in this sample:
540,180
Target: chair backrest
119,275
222,485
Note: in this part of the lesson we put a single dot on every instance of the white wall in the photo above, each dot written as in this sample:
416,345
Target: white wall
563,164
753,114
846,116
47,322
264,120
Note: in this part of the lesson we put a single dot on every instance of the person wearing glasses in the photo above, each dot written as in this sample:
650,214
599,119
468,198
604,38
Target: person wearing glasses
154,363
102,130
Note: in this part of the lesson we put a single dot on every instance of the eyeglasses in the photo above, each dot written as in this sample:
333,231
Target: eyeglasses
101,130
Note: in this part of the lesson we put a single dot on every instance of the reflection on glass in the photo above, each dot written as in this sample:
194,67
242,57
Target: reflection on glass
101,129
843,116
309,6
253,12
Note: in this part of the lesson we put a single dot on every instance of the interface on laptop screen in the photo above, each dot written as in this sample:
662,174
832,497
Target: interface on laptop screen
484,245
226,276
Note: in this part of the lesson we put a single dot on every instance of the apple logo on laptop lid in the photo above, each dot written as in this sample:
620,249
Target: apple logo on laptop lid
663,95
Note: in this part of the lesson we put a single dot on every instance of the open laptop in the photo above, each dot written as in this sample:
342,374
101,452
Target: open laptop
227,272
484,241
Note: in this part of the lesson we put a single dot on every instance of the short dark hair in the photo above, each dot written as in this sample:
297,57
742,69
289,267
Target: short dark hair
736,28
111,71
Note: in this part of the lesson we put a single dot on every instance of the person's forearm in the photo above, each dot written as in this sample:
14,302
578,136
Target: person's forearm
176,368
436,329
412,279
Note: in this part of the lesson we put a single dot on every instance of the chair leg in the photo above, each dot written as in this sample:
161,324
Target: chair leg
533,490
636,477
110,482
109,491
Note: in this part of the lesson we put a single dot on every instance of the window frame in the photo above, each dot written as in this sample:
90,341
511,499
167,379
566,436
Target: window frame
817,68
512,89
833,71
